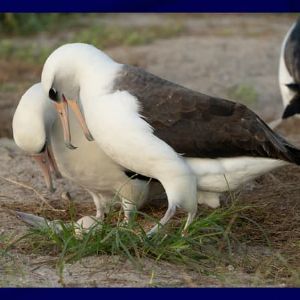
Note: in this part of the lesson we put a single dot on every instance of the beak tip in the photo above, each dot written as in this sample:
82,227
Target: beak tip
70,146
58,175
90,138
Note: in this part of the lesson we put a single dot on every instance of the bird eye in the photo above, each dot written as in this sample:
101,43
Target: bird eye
53,95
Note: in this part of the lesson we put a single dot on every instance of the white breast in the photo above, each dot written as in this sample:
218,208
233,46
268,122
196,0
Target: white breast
115,124
87,165
284,75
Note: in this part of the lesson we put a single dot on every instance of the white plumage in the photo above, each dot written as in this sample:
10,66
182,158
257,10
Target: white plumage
83,73
35,124
284,76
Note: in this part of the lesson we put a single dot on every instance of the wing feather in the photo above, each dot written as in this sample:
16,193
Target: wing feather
197,125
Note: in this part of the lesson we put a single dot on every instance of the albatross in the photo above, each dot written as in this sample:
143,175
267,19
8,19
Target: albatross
289,71
150,125
37,130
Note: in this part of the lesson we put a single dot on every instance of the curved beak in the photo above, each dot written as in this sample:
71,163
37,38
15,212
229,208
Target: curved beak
52,161
62,109
77,111
44,162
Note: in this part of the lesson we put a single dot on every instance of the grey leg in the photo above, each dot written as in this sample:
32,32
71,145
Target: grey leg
128,207
134,195
99,203
190,219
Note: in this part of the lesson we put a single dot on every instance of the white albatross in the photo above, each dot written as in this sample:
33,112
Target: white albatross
289,71
149,125
36,130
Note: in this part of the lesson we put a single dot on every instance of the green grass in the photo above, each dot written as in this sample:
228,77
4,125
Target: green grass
3,241
25,24
215,240
32,53
243,93
104,36
100,35
197,250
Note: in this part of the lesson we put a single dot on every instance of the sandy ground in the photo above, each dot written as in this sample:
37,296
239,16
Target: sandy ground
217,54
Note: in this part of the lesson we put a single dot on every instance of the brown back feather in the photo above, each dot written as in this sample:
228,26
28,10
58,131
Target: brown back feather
197,125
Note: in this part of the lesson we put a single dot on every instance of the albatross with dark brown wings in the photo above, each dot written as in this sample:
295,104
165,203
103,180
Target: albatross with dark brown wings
162,130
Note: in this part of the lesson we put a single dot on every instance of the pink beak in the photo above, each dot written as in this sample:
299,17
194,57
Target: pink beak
43,161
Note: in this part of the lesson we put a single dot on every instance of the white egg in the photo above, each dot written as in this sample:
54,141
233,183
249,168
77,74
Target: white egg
84,224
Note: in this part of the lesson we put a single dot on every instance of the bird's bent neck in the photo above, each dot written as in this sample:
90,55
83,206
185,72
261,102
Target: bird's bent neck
32,121
97,79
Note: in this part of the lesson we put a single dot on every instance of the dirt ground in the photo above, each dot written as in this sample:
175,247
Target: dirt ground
219,55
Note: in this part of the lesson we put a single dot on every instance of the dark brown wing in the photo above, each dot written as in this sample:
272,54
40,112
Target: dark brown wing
197,125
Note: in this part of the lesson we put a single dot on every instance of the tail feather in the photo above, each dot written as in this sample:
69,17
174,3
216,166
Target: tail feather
293,154
280,148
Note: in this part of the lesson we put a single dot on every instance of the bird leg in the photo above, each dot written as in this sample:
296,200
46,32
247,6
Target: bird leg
99,203
128,207
191,217
165,219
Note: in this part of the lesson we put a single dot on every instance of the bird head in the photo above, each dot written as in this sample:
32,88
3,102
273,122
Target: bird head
31,125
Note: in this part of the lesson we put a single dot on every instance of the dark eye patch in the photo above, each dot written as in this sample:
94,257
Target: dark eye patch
53,95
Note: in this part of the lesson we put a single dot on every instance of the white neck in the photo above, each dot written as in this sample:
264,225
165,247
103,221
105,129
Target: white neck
33,118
